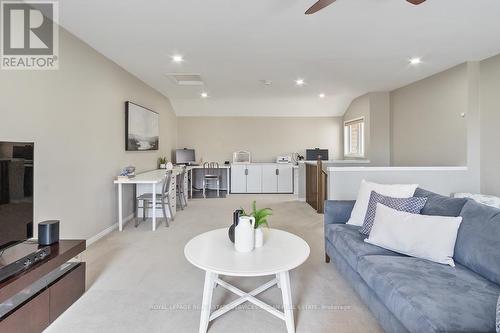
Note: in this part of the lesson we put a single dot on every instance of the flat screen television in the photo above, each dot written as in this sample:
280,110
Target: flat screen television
185,156
16,192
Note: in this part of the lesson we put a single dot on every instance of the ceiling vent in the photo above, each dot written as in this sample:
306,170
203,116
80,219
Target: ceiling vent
183,79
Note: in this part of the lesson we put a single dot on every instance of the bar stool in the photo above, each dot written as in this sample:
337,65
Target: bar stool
211,173
162,200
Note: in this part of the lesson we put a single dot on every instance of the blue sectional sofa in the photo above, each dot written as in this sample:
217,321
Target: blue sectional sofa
414,295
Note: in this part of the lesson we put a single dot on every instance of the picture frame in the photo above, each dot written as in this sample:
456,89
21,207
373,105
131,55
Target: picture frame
142,128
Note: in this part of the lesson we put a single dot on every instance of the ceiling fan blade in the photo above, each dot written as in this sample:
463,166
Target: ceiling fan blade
318,6
416,2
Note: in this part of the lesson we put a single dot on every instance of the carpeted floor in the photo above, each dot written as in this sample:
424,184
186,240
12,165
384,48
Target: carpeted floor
139,280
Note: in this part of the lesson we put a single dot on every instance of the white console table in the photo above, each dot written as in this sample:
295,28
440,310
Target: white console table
150,181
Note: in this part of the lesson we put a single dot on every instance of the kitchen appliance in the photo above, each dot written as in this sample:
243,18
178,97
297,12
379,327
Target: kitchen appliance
284,159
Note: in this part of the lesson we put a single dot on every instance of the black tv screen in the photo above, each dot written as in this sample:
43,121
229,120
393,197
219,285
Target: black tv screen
16,192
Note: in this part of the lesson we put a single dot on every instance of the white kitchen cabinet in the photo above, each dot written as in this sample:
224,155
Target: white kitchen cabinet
269,178
238,178
285,178
254,178
261,178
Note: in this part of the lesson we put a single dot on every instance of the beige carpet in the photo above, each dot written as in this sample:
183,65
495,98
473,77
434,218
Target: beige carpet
139,280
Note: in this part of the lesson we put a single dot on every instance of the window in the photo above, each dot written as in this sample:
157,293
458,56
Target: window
354,138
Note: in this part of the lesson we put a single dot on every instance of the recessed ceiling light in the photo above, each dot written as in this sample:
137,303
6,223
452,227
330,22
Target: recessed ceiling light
266,82
415,61
322,95
177,58
300,82
204,95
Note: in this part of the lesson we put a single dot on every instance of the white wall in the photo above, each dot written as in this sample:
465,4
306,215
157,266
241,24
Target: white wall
216,138
427,127
490,126
375,109
75,116
343,183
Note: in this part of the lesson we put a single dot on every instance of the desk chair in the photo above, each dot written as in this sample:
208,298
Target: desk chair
180,193
162,200
210,174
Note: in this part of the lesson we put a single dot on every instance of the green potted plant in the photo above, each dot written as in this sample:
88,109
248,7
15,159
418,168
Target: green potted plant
163,162
260,216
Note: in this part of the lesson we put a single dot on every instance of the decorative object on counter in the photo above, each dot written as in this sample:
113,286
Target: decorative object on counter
242,157
260,216
236,216
285,159
162,161
244,234
169,166
296,157
128,172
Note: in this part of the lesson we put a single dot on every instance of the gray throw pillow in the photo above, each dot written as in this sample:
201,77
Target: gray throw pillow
411,205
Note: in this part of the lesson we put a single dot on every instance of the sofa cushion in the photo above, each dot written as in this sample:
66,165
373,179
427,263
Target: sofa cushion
478,241
429,297
439,204
348,241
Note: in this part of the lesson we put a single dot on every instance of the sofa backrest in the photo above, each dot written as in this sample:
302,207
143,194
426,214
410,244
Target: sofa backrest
440,205
478,241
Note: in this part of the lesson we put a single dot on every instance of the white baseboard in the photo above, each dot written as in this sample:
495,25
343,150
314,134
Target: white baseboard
301,199
108,230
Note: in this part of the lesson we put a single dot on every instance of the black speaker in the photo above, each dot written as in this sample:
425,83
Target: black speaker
48,232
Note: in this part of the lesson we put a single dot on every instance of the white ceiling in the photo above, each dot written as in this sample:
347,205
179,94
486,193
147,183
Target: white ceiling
346,50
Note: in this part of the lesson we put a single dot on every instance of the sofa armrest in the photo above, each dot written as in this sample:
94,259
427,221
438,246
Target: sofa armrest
338,211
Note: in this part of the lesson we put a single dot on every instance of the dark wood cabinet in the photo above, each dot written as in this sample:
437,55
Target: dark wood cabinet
29,318
43,292
66,291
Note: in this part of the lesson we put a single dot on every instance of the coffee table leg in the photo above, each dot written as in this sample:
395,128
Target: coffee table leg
286,291
207,300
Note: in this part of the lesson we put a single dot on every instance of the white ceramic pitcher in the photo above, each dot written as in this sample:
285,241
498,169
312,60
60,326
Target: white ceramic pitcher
244,234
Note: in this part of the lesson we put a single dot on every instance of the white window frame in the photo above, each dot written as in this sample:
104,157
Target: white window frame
361,138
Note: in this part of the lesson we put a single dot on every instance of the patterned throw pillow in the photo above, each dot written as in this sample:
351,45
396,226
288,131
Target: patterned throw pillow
498,315
411,205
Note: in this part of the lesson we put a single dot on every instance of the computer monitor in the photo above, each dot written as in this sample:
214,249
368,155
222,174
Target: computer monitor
315,154
184,156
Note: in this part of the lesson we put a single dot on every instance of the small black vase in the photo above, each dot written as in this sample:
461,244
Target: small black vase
236,217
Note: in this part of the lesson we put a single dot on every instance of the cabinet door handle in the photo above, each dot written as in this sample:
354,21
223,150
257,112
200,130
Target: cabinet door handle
277,172
246,172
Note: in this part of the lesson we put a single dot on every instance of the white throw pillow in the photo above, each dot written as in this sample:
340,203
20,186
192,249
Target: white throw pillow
422,236
365,190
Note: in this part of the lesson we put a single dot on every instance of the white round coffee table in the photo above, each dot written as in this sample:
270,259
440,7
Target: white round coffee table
214,253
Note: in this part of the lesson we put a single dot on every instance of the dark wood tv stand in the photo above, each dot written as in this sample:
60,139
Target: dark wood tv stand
33,299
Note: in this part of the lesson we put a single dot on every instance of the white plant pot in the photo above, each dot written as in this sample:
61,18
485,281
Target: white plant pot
259,237
163,166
